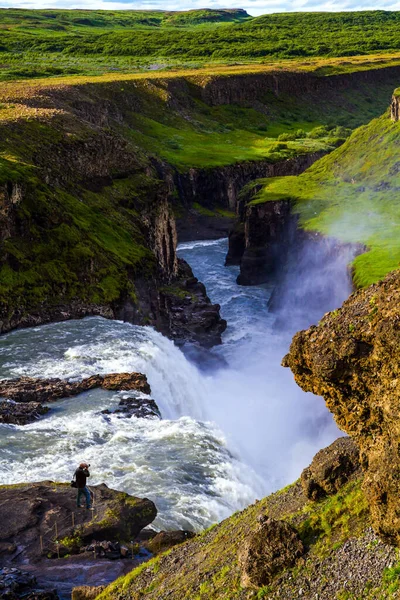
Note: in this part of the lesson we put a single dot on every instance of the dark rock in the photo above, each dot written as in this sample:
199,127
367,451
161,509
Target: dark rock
105,549
29,389
237,244
30,513
142,408
192,226
15,583
190,315
167,539
268,231
274,546
14,413
330,469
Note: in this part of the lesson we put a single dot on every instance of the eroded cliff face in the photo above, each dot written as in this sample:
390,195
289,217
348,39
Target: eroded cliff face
253,88
352,359
92,232
263,234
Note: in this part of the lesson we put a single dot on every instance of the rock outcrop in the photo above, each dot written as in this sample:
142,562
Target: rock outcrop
260,239
189,313
141,408
41,519
26,395
164,540
395,108
274,546
15,413
31,389
331,468
352,359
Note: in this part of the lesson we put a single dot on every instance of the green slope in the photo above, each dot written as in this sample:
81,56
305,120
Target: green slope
353,195
335,532
46,42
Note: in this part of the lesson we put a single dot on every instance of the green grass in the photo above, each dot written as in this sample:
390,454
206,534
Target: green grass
208,564
45,43
91,244
352,195
186,145
332,521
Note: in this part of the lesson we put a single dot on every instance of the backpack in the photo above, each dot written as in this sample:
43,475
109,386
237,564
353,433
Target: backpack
73,482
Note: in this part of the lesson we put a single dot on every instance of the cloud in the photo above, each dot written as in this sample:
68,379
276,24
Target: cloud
253,7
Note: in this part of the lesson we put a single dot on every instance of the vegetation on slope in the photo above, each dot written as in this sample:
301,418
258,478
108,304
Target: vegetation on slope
56,42
335,532
87,238
352,195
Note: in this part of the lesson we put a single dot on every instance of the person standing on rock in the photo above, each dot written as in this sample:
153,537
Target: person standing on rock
81,475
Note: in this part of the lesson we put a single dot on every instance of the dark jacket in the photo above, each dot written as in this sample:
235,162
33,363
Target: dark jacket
81,475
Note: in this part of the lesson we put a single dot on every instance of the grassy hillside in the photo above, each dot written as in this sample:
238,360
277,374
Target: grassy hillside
60,42
352,194
86,239
335,532
171,120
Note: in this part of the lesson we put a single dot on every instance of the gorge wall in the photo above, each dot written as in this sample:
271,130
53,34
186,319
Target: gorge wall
87,213
351,360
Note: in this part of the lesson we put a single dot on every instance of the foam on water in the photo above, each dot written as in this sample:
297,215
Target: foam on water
182,463
227,436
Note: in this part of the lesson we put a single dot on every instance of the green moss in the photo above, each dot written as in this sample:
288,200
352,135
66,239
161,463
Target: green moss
352,195
332,521
71,543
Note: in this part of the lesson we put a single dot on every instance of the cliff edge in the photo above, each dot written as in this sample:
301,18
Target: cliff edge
352,359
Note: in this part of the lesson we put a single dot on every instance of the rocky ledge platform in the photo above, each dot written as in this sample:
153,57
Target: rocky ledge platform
24,398
48,545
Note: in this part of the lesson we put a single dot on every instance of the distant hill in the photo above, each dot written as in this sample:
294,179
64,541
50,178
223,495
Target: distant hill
78,20
38,43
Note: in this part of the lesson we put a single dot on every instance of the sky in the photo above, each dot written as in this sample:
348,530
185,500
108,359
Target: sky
253,7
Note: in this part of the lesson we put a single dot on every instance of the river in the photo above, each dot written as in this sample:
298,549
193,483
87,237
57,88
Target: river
230,433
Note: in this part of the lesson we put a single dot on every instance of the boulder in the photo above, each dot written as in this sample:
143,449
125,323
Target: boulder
167,539
86,592
18,413
274,546
142,408
42,518
331,468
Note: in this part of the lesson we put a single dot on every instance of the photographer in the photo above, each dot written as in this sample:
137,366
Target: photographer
81,475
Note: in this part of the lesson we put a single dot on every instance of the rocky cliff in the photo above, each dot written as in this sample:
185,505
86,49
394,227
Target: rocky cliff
264,233
253,88
93,173
351,359
86,225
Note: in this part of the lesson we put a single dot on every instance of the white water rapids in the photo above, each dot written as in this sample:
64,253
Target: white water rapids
228,435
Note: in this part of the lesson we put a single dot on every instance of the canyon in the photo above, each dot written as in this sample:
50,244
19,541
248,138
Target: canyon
91,212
